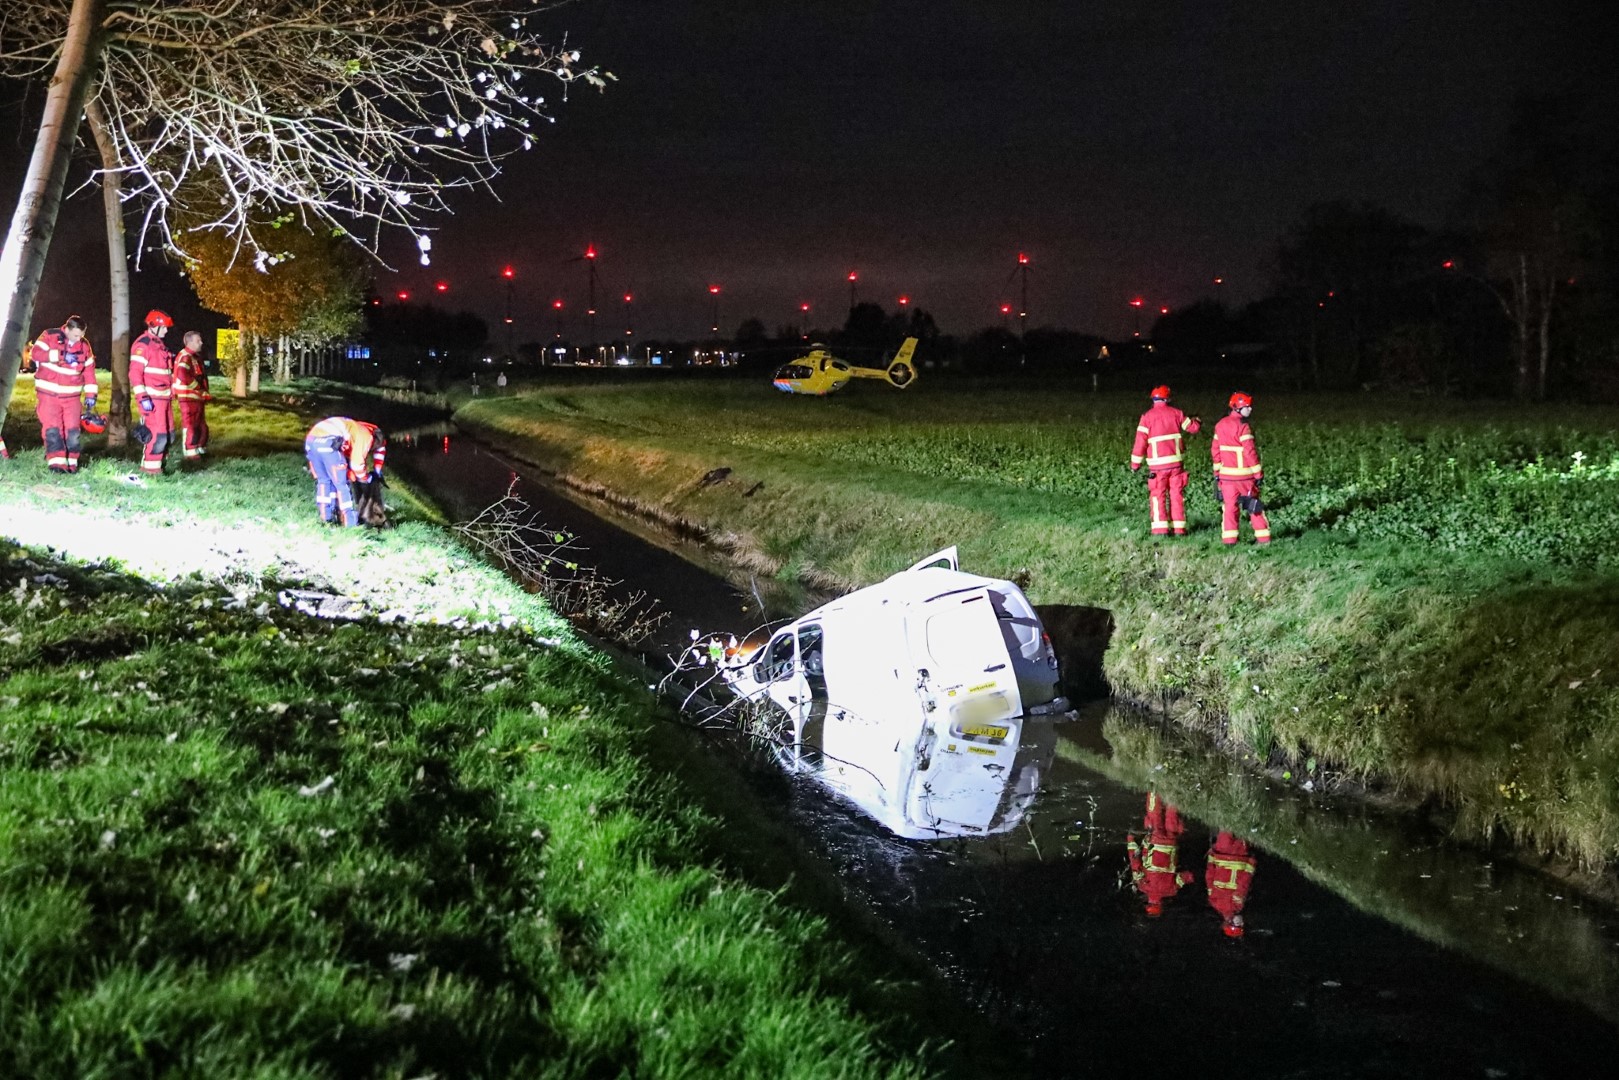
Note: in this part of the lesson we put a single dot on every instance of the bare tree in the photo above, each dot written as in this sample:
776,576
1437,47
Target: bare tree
360,117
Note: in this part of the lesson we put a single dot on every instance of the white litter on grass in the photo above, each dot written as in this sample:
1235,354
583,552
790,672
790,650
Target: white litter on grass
321,605
403,961
109,840
320,788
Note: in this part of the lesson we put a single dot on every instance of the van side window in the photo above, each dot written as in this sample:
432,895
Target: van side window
777,661
809,650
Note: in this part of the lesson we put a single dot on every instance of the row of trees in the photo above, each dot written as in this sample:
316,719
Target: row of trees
247,137
1517,292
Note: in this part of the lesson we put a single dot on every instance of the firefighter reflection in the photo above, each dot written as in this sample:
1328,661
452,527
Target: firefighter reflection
1153,867
1228,876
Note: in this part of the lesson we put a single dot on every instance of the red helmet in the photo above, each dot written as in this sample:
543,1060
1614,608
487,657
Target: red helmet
94,423
158,318
1233,930
1154,909
1160,393
1240,400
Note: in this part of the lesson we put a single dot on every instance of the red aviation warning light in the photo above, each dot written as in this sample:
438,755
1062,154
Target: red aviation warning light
443,286
506,273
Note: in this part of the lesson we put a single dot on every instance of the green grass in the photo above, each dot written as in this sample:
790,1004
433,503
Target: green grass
235,840
1440,612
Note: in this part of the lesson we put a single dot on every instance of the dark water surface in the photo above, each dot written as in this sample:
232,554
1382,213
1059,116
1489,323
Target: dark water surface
1372,947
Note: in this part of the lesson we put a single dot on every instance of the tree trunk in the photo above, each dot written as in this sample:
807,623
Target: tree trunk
22,261
250,354
238,381
1547,296
112,206
1520,319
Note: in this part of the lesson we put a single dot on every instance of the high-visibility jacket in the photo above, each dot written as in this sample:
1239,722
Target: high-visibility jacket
1152,866
361,443
150,370
190,377
1160,437
1228,874
62,368
1236,455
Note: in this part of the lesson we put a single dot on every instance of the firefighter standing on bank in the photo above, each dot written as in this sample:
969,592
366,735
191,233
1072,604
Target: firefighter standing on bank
1227,876
64,369
1153,868
342,452
1160,445
191,391
151,379
1237,472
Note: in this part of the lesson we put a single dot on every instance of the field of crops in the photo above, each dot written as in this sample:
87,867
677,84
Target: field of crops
1539,483
1440,611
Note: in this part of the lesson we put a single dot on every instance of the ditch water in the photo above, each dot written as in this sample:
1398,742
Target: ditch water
1372,947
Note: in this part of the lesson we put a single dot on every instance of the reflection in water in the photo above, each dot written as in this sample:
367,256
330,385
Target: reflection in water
1153,861
1228,875
1342,975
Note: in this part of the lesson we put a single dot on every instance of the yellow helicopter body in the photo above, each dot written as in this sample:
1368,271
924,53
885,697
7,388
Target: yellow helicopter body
819,373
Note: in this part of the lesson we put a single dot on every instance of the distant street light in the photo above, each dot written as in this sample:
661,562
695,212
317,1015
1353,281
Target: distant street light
511,326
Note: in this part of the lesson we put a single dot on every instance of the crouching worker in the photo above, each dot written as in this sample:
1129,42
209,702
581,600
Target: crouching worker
345,455
64,371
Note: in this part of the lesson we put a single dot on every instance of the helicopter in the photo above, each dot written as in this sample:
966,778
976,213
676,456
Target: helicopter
819,373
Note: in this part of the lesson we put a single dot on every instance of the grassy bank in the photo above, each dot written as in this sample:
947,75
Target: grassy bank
1441,611
236,840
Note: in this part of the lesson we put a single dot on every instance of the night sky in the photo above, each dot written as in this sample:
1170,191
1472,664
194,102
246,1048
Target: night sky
1128,148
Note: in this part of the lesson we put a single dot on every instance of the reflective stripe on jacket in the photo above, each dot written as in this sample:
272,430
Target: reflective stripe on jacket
358,441
190,376
1159,443
62,368
1235,453
149,372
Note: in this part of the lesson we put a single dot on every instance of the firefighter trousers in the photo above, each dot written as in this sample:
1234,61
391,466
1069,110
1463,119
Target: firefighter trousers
194,427
59,427
1230,492
1166,494
160,422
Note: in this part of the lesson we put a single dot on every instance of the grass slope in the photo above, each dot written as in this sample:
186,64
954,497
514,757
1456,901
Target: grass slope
236,840
1441,610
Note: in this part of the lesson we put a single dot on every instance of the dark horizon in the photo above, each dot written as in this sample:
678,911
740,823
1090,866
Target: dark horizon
925,145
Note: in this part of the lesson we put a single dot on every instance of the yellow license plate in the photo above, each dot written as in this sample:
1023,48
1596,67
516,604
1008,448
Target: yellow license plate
985,731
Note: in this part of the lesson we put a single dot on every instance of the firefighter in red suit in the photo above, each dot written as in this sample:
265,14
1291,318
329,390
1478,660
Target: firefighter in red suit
340,452
64,369
151,379
1237,472
1153,861
1227,875
1160,445
191,391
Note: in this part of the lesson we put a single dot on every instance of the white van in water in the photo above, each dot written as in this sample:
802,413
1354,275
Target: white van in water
926,699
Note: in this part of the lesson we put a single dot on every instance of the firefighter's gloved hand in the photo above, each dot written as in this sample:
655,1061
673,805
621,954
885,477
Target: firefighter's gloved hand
89,403
146,404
